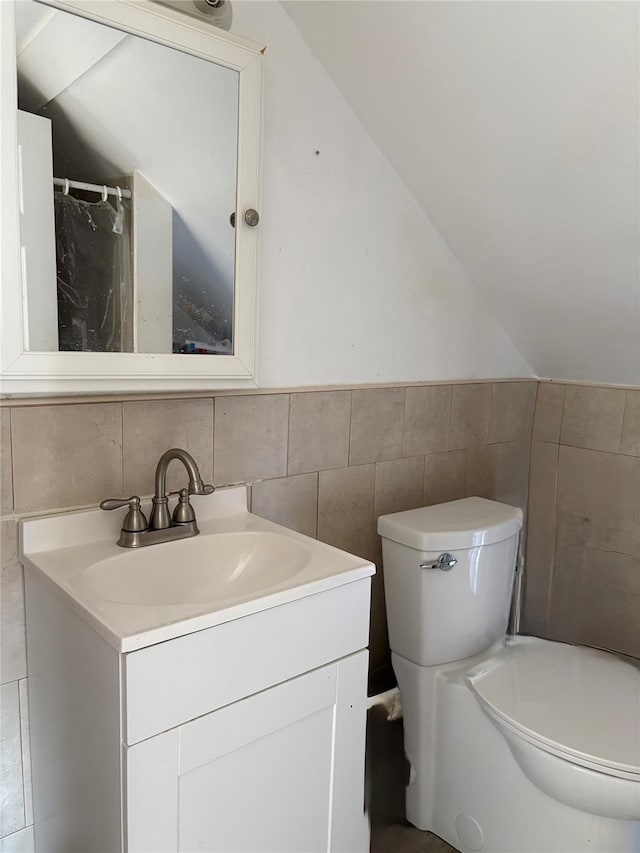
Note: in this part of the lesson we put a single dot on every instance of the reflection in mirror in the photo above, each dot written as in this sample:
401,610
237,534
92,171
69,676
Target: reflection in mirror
128,156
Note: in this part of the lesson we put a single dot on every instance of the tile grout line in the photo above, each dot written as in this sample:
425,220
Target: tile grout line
350,429
424,478
373,514
552,567
122,465
287,472
624,413
404,424
13,488
318,505
404,412
488,436
213,443
286,442
467,474
525,543
447,443
467,466
564,401
317,473
27,792
21,752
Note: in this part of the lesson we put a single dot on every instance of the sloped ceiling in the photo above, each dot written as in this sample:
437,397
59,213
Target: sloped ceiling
515,125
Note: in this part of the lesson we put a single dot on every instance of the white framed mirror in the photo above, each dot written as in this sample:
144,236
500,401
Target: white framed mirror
129,185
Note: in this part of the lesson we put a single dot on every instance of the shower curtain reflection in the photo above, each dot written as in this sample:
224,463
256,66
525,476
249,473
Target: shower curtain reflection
94,279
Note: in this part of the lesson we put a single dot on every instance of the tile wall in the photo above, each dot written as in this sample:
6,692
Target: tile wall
326,463
583,548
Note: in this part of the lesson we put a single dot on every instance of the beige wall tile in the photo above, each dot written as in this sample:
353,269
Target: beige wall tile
512,406
11,787
153,426
6,480
66,456
566,590
596,599
445,477
630,440
548,414
22,841
250,439
500,472
398,486
543,486
291,501
592,417
599,500
25,746
541,535
427,415
8,542
13,653
539,565
319,425
345,509
377,418
470,413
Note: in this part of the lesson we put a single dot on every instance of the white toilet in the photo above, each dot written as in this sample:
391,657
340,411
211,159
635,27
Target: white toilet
515,744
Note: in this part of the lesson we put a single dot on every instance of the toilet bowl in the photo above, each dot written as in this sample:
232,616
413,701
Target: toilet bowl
571,717
515,744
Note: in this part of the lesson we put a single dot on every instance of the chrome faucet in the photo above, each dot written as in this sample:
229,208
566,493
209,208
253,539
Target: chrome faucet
162,527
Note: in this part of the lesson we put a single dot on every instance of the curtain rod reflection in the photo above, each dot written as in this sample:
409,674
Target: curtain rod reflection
104,191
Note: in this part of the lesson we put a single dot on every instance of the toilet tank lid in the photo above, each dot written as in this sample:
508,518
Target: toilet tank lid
457,524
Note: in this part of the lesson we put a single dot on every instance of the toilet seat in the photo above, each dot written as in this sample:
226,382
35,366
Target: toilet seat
562,699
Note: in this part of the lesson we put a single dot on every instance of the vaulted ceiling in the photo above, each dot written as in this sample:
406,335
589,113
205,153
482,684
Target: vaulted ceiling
515,125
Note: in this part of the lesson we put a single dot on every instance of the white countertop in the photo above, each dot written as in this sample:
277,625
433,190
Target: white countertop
59,548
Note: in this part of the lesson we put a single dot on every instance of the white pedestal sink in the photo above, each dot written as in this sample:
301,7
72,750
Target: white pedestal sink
204,694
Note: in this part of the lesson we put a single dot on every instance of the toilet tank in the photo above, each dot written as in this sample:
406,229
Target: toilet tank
439,615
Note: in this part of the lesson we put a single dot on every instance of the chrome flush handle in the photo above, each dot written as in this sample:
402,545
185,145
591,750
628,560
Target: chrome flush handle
445,562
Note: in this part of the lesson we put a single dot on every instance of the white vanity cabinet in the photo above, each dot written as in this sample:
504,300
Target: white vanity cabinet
242,734
278,771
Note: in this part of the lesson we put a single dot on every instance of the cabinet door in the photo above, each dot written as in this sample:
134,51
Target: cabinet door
279,772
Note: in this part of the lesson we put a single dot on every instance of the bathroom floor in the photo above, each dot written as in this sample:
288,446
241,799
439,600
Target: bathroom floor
387,772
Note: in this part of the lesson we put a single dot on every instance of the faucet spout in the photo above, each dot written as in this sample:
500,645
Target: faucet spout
160,518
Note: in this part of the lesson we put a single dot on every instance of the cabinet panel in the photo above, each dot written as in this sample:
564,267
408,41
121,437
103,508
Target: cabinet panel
271,795
151,794
278,772
349,823
231,728
74,681
173,682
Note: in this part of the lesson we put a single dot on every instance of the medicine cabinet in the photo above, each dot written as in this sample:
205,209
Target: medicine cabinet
129,199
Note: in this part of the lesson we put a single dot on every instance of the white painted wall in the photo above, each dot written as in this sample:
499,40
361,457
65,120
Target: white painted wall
516,127
356,283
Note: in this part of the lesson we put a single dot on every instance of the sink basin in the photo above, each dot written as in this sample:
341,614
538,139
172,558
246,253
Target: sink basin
215,567
239,565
